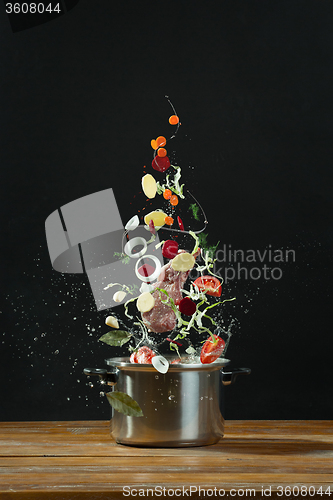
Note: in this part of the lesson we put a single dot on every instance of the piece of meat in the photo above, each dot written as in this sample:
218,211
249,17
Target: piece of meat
161,317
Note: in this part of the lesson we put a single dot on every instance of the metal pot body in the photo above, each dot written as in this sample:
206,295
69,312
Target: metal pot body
181,408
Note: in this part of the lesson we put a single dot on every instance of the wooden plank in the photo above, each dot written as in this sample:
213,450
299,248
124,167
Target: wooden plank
79,460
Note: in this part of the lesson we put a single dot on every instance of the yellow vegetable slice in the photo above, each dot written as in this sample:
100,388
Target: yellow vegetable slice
183,262
145,302
158,217
149,185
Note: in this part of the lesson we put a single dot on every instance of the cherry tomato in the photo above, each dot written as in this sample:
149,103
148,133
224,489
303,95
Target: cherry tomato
161,163
211,350
170,249
143,355
187,306
210,285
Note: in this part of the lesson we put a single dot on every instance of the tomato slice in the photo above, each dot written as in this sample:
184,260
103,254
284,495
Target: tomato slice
211,350
210,285
143,355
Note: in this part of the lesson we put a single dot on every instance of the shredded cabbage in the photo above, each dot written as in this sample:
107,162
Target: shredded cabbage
173,185
126,307
195,249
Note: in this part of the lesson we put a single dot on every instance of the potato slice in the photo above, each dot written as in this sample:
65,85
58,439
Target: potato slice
158,218
149,185
112,321
145,302
183,262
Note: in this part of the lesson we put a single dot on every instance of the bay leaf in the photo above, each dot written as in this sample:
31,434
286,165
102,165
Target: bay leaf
116,338
123,403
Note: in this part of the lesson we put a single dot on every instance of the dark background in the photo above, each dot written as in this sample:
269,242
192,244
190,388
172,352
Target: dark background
81,98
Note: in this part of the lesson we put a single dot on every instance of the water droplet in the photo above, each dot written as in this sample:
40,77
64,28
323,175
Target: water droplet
171,397
201,398
157,377
56,352
102,393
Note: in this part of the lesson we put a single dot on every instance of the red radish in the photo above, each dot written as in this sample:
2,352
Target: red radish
143,355
180,223
187,306
170,249
161,163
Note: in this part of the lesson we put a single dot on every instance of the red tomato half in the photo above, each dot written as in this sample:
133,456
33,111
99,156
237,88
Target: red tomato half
210,285
143,355
211,351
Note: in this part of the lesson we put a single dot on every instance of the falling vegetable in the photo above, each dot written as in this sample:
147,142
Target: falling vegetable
187,306
149,185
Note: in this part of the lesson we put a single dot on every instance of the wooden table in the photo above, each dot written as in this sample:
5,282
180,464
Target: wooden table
79,460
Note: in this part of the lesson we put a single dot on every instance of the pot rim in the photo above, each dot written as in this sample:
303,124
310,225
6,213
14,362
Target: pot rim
123,362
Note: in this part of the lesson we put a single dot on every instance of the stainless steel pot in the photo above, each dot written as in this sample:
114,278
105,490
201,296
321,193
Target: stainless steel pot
180,408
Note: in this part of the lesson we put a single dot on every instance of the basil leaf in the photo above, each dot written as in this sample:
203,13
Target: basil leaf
124,404
116,338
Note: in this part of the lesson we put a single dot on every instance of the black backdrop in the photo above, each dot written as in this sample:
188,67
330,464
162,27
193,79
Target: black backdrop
81,97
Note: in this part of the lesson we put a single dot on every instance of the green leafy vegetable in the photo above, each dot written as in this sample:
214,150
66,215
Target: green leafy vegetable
204,245
124,404
195,210
124,258
116,338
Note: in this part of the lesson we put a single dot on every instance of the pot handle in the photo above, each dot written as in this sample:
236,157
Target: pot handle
229,377
109,378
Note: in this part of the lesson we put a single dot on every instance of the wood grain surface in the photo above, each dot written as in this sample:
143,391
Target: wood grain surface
74,460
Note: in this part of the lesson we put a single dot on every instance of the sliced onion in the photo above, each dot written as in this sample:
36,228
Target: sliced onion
132,223
160,363
133,243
